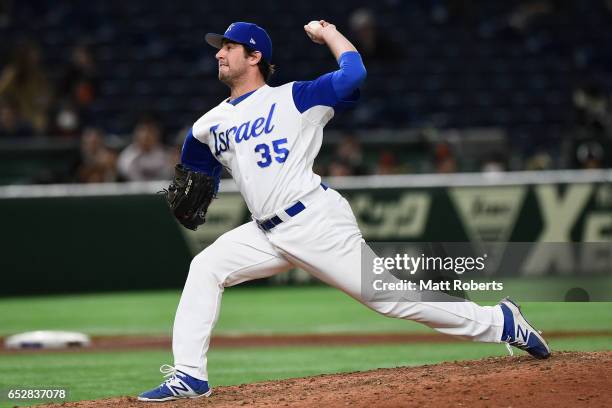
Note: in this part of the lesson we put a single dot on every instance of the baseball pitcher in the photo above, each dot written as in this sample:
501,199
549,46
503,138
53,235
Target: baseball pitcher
267,138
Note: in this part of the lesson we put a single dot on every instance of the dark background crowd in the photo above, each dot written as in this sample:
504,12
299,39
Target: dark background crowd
105,91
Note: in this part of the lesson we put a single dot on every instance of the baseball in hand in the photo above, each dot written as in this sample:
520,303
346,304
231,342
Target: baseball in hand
313,30
314,25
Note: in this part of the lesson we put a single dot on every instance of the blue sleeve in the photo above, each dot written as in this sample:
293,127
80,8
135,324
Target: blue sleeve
338,89
197,156
351,74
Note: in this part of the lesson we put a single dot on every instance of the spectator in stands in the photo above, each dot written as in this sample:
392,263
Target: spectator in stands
592,106
539,161
78,87
98,163
590,154
444,158
591,140
79,83
339,168
371,41
388,164
24,81
11,124
348,160
146,158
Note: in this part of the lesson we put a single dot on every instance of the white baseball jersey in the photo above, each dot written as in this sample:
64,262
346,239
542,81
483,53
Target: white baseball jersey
267,145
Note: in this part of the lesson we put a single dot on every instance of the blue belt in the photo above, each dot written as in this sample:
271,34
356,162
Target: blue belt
292,211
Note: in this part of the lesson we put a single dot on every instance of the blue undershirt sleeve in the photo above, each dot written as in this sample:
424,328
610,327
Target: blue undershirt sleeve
197,156
338,89
351,74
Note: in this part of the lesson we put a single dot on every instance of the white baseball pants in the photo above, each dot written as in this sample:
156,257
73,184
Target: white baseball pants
324,240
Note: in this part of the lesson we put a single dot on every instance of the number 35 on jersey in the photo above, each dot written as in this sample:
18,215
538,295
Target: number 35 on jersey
266,153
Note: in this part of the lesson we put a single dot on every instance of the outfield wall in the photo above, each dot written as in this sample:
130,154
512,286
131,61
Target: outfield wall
71,238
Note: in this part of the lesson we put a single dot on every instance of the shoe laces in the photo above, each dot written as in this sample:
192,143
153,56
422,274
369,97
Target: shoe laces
169,373
516,343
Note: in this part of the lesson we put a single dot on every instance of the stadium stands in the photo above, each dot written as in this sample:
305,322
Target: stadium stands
443,64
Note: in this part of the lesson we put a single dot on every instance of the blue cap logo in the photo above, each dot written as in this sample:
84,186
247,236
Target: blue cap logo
250,35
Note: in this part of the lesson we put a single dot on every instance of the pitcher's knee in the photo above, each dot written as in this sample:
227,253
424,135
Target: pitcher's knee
205,264
399,310
384,309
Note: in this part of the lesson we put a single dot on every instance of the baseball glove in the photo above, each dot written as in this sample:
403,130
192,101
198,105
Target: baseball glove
189,196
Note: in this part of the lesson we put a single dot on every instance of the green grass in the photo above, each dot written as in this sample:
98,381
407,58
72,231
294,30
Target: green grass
252,311
104,374
91,375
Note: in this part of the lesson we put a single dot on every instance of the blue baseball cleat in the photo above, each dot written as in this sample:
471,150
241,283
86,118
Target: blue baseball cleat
518,332
178,386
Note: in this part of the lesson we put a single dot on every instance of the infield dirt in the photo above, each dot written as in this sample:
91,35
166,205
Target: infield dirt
567,379
102,343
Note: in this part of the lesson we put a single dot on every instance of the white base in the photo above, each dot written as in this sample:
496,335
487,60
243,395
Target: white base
47,339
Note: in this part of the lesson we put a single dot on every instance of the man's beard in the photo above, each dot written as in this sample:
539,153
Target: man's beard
228,78
224,77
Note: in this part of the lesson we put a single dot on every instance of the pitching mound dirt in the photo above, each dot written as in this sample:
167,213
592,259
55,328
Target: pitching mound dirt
567,379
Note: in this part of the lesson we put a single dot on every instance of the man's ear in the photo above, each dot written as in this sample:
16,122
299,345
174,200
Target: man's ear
255,57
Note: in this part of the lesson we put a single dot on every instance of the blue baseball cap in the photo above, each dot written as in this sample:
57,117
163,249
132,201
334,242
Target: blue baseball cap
250,35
